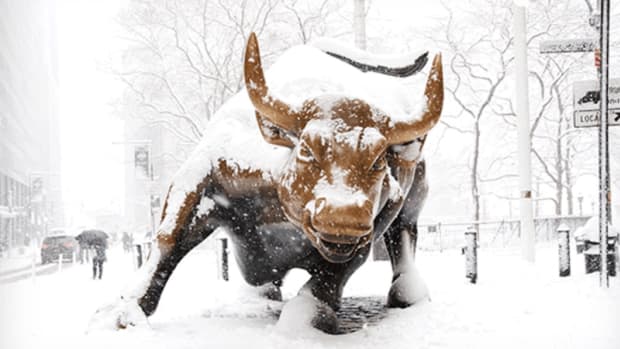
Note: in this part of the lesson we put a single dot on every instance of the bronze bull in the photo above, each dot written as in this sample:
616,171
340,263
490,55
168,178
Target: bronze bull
352,177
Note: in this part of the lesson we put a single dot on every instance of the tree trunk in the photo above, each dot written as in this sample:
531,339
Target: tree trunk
569,182
559,183
475,192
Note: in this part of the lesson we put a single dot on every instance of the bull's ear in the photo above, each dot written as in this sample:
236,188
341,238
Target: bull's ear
274,134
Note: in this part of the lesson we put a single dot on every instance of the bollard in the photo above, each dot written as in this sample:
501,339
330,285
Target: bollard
440,239
139,255
223,257
564,250
33,264
60,262
471,255
148,246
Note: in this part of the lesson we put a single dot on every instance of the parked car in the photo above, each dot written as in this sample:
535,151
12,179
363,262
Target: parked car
53,246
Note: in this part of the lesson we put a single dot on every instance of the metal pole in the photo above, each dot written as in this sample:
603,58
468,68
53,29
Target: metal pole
139,253
603,144
223,254
359,23
151,176
523,135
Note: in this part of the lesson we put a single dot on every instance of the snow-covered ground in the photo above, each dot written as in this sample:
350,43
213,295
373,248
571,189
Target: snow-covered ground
514,305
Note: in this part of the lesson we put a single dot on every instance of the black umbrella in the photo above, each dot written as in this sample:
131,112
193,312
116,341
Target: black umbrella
93,237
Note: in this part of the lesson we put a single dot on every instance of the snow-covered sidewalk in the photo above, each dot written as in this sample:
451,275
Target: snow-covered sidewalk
19,258
514,305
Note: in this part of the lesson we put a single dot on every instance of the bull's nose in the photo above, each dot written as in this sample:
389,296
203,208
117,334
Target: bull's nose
363,207
341,223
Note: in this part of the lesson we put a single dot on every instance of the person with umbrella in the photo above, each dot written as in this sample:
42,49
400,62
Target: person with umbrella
98,261
98,240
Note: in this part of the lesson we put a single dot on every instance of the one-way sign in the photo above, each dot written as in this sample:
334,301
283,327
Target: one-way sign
589,118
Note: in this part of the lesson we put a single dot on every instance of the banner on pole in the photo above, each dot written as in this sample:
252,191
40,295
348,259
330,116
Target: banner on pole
142,161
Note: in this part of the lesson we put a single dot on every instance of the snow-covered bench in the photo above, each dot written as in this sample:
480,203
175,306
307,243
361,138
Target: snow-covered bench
588,243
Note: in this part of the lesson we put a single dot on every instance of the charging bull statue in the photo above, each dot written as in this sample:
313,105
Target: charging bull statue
337,173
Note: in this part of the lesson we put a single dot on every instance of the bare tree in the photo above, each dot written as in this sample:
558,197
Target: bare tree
185,56
479,51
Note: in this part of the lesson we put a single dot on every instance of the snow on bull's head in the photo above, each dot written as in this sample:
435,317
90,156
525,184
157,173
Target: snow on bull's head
337,178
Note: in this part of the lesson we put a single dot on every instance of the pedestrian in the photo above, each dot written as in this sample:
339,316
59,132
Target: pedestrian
127,242
98,260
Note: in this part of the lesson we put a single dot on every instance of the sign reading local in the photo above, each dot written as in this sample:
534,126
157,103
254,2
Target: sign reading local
588,118
587,99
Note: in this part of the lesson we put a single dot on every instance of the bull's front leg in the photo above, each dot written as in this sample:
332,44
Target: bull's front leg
171,250
320,298
183,226
408,287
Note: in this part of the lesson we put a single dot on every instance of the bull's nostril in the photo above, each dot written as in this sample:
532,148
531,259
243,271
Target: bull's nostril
319,205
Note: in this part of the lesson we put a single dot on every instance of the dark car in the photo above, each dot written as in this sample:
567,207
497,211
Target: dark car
53,246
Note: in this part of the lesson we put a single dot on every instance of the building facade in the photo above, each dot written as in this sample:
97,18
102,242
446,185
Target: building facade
30,192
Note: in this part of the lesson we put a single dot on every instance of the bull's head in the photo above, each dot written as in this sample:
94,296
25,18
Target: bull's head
337,179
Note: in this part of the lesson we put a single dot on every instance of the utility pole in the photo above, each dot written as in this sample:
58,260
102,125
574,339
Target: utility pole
523,135
359,23
603,144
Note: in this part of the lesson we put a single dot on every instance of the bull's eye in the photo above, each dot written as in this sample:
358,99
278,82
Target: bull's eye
304,154
379,165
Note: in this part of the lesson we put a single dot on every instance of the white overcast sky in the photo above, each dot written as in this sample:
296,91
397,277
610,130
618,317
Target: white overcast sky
92,166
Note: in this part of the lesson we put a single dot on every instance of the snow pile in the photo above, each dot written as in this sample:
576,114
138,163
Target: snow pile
514,305
590,230
297,315
301,73
410,287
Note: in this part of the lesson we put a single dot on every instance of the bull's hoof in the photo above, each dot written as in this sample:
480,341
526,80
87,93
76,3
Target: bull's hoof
305,311
270,291
325,319
407,289
118,316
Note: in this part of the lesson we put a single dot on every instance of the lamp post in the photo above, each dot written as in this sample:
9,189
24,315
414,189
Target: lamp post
523,133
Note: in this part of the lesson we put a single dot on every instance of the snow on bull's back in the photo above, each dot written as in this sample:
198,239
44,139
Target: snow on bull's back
301,73
305,72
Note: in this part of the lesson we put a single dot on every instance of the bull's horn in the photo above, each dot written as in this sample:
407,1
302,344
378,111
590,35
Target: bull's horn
271,108
404,132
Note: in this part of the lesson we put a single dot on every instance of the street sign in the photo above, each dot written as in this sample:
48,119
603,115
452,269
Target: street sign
586,103
565,46
587,95
587,118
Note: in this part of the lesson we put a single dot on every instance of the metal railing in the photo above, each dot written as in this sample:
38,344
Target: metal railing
498,233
